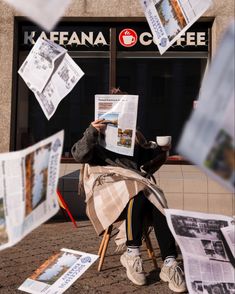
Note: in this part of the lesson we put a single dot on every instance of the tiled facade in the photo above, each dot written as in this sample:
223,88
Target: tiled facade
188,188
185,187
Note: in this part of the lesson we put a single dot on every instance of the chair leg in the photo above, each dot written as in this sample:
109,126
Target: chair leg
104,247
102,242
150,250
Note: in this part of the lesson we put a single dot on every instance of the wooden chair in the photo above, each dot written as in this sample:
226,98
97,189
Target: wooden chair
107,234
105,241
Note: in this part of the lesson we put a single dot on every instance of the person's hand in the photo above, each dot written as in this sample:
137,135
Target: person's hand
97,124
166,148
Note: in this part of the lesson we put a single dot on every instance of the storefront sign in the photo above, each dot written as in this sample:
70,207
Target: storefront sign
195,39
67,39
128,38
72,36
134,37
188,39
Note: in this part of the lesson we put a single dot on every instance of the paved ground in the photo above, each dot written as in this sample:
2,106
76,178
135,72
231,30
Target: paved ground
18,262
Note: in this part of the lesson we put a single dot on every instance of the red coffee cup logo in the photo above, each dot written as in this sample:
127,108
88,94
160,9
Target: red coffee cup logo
128,37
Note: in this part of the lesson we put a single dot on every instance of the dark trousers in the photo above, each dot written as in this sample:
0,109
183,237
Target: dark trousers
138,210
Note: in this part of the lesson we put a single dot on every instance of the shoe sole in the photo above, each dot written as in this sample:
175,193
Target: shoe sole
164,278
130,277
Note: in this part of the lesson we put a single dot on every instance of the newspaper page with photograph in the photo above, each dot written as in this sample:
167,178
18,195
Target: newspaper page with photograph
169,19
45,13
50,73
32,199
39,65
120,114
59,272
208,136
229,235
61,83
208,268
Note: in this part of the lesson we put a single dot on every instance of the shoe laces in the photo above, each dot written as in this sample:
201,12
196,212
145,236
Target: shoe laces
138,265
177,273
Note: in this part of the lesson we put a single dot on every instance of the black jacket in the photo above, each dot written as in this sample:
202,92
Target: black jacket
88,150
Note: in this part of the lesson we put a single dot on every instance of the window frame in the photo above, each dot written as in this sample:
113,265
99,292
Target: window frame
113,52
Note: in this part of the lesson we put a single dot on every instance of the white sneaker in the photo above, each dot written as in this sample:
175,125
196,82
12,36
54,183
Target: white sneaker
174,275
134,268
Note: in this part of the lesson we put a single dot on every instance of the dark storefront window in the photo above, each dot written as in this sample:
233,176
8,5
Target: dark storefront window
167,85
76,111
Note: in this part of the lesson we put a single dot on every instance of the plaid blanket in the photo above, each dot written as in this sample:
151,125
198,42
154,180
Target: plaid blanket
108,189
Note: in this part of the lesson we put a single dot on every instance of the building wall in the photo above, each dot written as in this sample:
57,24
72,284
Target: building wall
184,188
223,11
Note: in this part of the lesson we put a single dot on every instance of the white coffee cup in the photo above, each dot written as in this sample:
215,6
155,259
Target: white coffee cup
128,40
163,140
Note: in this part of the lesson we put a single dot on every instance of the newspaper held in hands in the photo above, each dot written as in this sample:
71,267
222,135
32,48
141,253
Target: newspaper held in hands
28,184
59,272
208,136
120,114
207,266
45,13
50,73
169,19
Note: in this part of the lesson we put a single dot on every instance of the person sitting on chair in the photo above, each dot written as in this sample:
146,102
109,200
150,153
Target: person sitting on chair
149,157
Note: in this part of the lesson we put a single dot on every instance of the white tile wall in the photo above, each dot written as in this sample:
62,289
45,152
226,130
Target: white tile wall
196,202
214,187
195,185
171,185
170,168
190,168
175,200
200,193
188,188
221,203
68,168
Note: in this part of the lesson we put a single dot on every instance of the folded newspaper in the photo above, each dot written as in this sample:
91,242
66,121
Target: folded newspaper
50,73
207,243
59,272
120,114
169,19
208,137
46,13
28,184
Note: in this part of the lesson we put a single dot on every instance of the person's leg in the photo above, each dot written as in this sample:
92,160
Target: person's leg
136,211
171,271
163,234
131,260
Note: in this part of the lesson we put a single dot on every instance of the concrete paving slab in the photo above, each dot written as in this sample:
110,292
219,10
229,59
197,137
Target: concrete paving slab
19,262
